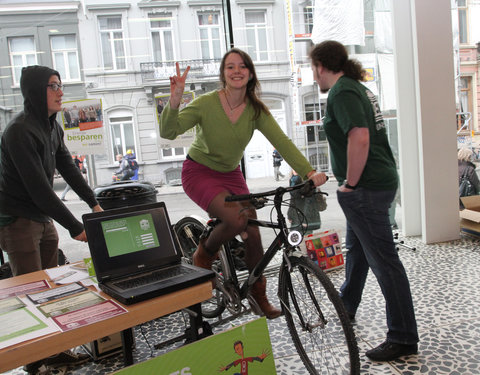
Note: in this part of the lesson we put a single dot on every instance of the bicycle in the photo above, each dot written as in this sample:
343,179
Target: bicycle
316,318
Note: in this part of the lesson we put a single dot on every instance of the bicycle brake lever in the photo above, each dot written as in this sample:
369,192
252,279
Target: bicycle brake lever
259,202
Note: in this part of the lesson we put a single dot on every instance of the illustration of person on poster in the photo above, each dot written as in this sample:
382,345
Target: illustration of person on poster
243,361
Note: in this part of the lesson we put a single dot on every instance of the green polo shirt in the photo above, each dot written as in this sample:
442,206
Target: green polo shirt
350,104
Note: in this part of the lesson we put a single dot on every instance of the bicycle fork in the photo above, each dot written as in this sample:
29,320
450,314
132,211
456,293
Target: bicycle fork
310,325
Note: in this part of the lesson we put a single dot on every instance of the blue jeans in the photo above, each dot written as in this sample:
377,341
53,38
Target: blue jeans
370,243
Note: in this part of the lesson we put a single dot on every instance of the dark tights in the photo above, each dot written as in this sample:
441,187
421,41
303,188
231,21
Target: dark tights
234,218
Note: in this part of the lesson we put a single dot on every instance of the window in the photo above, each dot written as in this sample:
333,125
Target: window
113,48
65,56
123,137
22,53
314,112
464,117
209,27
173,152
256,26
462,21
162,37
308,17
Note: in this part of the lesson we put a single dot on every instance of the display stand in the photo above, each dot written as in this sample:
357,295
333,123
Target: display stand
402,243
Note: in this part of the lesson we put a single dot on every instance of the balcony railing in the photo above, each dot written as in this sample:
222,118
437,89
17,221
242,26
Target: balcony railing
153,71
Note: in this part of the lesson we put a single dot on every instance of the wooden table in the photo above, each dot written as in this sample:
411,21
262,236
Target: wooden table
45,346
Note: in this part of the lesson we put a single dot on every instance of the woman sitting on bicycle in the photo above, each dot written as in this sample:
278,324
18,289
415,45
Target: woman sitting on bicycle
225,121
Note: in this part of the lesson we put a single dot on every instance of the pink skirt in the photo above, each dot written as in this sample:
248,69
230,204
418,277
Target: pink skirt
202,184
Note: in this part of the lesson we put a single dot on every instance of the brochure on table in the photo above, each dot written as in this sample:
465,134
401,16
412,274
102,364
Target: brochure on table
34,309
20,321
243,349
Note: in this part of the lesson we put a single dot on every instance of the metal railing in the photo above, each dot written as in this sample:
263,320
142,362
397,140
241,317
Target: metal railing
152,71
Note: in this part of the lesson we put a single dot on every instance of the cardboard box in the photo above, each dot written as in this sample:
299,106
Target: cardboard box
470,216
324,248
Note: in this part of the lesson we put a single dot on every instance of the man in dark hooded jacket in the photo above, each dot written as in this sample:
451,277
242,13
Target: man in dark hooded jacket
32,147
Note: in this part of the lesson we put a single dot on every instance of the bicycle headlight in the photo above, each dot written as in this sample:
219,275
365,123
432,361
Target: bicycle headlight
294,237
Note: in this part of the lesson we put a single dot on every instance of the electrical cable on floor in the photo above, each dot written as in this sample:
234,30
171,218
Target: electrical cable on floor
145,338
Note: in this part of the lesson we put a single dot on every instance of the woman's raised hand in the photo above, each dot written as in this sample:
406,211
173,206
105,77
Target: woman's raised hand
177,86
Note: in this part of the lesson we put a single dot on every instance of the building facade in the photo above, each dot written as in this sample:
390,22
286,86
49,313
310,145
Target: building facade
123,53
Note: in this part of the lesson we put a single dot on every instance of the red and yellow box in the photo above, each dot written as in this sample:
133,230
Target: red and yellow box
324,248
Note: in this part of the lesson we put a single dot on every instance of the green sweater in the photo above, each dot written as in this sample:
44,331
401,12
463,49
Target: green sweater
219,144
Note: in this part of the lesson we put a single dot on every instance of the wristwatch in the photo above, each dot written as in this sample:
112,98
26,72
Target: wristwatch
349,186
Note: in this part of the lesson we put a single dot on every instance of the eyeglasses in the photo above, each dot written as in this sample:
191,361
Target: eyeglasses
55,86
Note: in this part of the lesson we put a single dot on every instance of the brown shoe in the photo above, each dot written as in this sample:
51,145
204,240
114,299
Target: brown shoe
259,295
202,258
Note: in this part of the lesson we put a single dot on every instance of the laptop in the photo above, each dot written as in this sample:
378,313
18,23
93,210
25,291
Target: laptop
131,246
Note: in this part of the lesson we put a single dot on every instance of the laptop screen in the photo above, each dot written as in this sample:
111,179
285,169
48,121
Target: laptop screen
129,234
127,240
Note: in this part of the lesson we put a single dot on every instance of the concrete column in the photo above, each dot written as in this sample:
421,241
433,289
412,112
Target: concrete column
426,111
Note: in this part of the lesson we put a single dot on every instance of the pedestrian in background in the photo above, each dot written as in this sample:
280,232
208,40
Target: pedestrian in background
466,170
277,162
124,172
364,167
78,164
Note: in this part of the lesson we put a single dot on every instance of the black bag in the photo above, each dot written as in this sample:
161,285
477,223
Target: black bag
465,188
132,164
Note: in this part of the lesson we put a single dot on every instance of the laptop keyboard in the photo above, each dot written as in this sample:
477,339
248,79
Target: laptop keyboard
151,278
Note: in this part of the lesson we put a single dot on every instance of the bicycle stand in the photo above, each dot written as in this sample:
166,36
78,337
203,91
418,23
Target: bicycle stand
198,329
402,243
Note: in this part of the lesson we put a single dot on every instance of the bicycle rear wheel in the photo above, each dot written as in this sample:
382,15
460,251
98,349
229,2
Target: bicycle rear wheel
317,320
188,231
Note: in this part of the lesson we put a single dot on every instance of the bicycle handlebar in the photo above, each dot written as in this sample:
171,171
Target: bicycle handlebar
307,188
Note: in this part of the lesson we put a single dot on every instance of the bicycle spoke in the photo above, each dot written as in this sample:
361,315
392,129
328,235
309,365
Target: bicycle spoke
317,322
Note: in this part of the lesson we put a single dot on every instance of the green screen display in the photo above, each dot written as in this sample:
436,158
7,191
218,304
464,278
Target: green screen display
129,235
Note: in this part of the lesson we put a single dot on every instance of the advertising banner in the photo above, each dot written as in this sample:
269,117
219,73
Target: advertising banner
82,122
185,139
245,349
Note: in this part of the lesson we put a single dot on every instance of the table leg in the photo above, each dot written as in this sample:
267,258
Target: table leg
127,344
196,322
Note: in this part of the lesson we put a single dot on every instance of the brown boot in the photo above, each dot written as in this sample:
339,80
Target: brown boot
259,295
201,257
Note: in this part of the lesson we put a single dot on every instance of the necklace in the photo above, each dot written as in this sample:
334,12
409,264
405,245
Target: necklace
229,105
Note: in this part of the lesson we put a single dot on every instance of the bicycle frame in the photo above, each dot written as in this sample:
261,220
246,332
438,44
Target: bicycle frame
276,245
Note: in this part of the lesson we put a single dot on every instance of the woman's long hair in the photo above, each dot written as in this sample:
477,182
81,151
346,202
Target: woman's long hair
334,56
253,85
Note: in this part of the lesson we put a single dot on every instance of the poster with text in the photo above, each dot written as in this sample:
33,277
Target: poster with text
82,122
185,139
245,349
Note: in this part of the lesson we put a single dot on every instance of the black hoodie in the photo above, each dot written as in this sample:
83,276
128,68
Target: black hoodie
32,148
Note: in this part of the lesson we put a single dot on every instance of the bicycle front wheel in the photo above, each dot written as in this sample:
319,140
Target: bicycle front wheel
317,320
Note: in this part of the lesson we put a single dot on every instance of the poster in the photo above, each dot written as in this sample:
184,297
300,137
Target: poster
185,139
82,122
245,349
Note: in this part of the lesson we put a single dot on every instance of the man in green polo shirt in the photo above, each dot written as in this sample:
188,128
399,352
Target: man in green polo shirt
364,167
